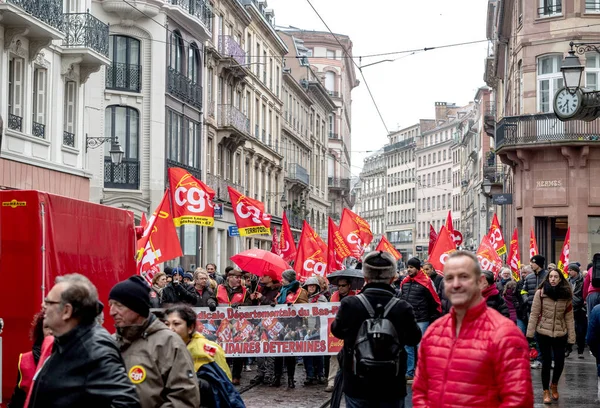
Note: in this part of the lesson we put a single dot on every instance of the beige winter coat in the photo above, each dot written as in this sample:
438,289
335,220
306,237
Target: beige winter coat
159,365
556,317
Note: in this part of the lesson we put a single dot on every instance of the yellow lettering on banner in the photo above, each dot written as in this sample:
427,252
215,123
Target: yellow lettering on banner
254,231
194,220
14,203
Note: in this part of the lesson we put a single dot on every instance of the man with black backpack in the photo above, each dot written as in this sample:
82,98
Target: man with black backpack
375,327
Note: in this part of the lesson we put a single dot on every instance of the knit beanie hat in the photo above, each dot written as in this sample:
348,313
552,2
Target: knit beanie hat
416,262
189,276
379,265
178,271
538,260
574,267
133,293
289,275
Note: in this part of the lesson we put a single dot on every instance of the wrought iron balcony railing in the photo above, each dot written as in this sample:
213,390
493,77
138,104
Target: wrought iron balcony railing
335,94
218,184
85,30
124,175
299,173
15,122
48,11
192,170
231,116
494,173
295,221
38,130
197,8
230,48
544,129
124,77
68,139
550,10
333,135
341,183
183,88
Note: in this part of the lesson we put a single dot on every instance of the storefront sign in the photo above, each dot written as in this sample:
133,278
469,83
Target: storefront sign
233,231
502,199
254,331
548,183
418,248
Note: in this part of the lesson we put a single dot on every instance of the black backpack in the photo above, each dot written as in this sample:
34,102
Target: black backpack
377,348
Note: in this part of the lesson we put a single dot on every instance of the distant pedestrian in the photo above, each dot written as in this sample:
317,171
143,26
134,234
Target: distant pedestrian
159,282
551,319
157,360
211,268
84,368
593,339
579,309
179,292
379,388
492,297
473,356
531,283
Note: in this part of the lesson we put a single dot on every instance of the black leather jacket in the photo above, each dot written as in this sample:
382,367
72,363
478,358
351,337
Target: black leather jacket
180,292
85,369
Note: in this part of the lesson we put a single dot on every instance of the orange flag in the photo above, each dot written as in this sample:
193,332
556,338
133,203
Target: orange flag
496,238
444,246
356,232
286,241
191,199
514,260
563,262
386,246
533,249
249,214
337,250
311,258
488,257
159,243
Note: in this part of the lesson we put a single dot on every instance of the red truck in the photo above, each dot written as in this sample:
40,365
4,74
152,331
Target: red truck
43,236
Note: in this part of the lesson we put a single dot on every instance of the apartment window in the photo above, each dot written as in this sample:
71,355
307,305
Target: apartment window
592,69
550,80
40,76
125,71
210,91
419,161
123,123
257,59
549,8
70,113
249,48
330,82
592,6
330,54
194,66
209,154
177,53
444,155
331,126
15,93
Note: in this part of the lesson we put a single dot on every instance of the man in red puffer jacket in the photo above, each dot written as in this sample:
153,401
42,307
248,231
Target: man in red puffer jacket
473,356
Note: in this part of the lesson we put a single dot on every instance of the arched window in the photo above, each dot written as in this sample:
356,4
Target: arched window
177,52
193,64
125,72
330,82
122,122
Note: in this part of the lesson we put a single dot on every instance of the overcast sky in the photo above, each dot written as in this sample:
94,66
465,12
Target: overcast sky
405,90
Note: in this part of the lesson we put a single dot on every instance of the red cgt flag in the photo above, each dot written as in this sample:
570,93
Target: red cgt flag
191,199
337,250
311,258
563,262
386,246
143,221
286,241
496,238
159,243
514,260
275,243
249,214
444,246
433,236
533,249
356,233
488,257
449,225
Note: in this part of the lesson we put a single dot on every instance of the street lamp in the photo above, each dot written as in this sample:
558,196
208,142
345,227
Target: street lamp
572,70
487,186
283,201
116,151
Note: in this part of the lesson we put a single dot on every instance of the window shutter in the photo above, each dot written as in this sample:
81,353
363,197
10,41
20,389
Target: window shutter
70,106
40,95
18,87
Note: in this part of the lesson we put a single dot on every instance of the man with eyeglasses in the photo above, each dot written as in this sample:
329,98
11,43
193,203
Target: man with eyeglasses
233,293
85,367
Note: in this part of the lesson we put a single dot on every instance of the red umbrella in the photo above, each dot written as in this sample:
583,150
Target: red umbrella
261,263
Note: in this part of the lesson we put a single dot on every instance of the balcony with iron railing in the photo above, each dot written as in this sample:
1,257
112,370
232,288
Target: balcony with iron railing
531,131
68,139
190,169
38,130
40,19
229,116
295,220
297,174
494,173
335,94
333,135
200,10
220,185
183,88
125,175
338,183
124,77
15,122
87,38
228,47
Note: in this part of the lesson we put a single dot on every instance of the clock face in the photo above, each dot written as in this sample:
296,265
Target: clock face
566,104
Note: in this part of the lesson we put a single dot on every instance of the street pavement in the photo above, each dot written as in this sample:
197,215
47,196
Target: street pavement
577,389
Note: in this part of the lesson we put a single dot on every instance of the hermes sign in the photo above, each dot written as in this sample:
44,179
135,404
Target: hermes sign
548,183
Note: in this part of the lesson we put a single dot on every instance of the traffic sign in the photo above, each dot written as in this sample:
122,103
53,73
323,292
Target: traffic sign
233,231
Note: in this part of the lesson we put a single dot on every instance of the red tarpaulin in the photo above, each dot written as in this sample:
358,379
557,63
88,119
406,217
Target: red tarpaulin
77,236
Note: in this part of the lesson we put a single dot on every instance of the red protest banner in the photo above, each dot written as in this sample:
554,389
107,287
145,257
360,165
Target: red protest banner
249,214
191,199
311,258
385,245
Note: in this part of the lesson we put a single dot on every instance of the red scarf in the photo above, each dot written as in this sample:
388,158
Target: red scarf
422,279
489,291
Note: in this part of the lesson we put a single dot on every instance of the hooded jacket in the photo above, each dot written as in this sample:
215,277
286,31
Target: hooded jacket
495,301
553,318
159,365
486,365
